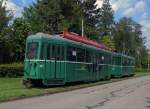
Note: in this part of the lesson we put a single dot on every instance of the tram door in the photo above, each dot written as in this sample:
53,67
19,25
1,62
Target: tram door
55,64
95,67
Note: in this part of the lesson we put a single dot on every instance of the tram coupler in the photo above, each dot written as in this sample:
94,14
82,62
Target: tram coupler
27,83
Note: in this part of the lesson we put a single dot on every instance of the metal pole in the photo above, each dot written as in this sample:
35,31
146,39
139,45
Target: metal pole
82,28
148,60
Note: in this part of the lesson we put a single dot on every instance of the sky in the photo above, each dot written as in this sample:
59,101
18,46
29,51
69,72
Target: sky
139,10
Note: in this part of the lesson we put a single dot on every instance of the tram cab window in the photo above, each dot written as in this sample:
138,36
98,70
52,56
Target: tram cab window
32,50
71,53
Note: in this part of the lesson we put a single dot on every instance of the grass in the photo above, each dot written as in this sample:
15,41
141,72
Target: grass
11,88
142,72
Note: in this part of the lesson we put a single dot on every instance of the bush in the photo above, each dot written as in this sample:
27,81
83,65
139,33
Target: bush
11,70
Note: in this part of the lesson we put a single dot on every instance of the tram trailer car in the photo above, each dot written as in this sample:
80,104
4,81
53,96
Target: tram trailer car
122,65
56,60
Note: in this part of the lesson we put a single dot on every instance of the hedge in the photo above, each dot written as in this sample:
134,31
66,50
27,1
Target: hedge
11,70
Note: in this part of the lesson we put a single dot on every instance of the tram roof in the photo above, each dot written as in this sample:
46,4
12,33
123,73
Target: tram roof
122,55
39,36
59,38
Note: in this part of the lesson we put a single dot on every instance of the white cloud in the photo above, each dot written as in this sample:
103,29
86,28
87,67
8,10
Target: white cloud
134,8
10,5
120,4
129,12
140,5
144,16
115,7
99,3
146,31
24,2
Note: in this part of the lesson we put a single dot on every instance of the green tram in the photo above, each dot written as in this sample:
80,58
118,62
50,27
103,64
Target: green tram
54,60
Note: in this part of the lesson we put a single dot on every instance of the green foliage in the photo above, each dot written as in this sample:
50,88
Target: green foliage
129,40
60,15
91,18
106,19
66,15
54,16
5,31
21,29
11,70
43,17
108,42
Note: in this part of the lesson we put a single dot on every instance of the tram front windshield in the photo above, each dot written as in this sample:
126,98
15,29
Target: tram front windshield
32,50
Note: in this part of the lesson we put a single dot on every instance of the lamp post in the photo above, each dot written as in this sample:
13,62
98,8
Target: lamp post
82,27
148,59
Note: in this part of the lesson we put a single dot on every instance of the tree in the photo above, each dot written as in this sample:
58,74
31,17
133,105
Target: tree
91,18
54,16
43,16
72,15
128,40
21,29
106,19
106,40
5,17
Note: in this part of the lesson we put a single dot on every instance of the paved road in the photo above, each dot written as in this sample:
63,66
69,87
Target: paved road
127,94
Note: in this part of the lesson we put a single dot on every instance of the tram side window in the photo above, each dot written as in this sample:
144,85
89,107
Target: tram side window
125,62
113,61
53,56
88,56
107,59
42,52
80,55
49,51
102,58
130,62
58,53
71,54
62,53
